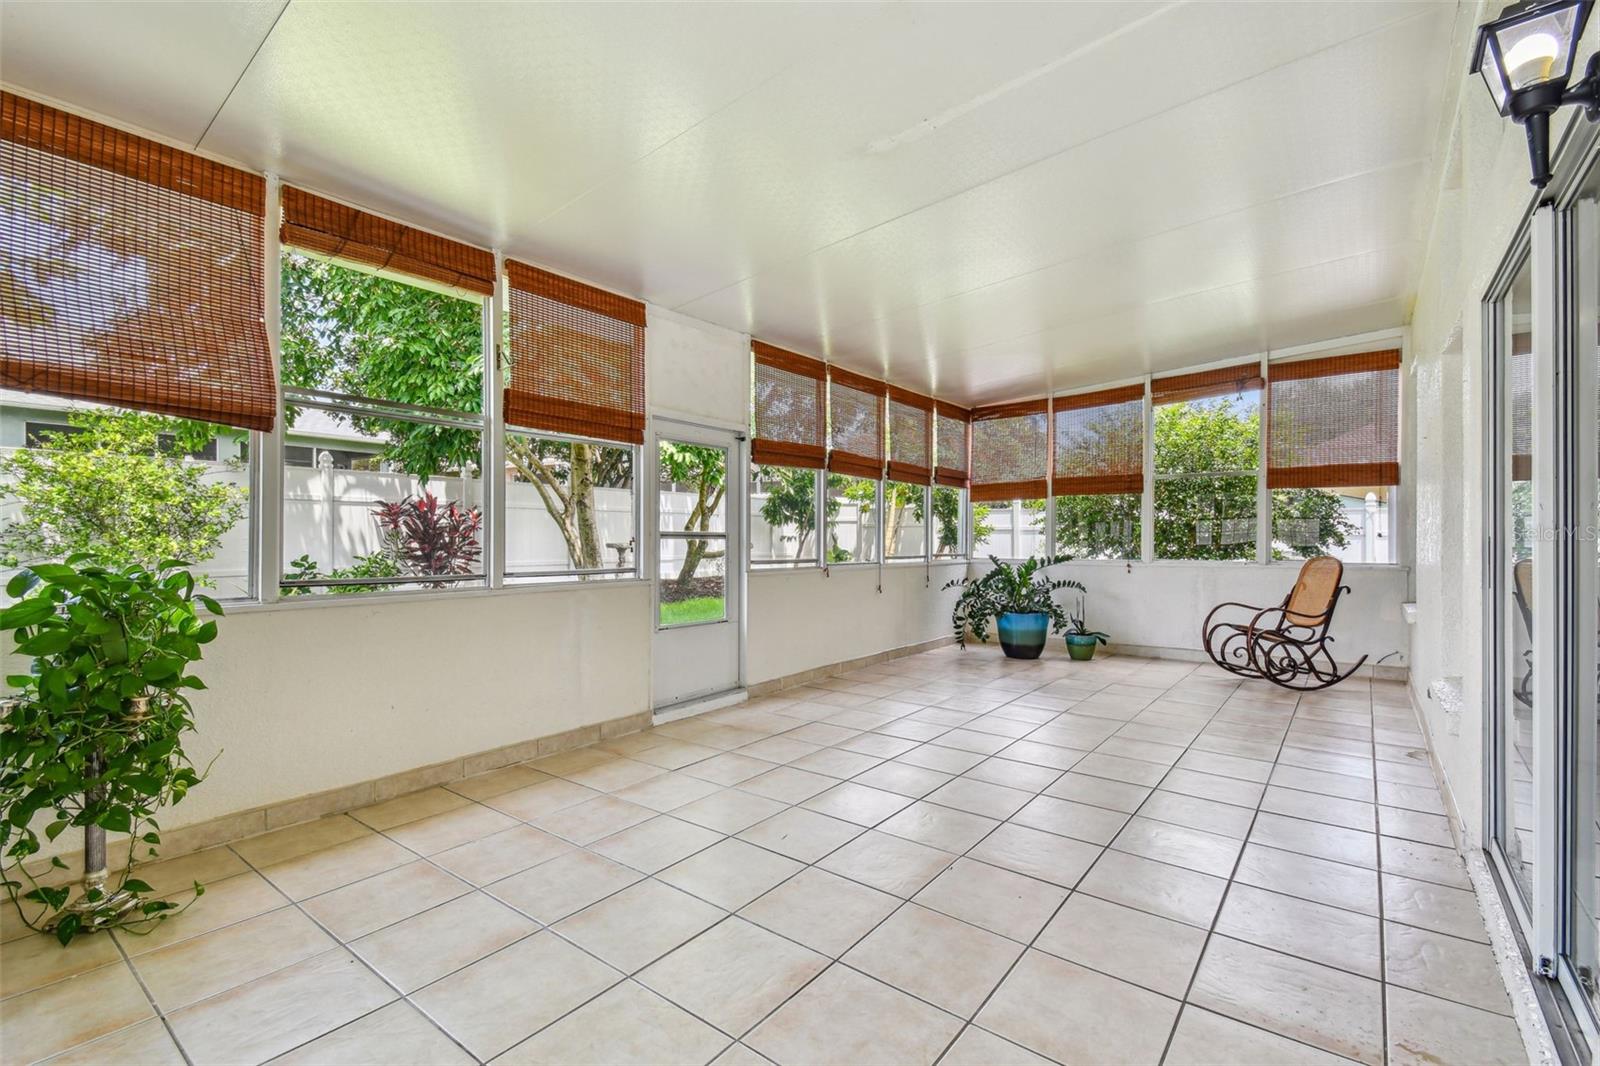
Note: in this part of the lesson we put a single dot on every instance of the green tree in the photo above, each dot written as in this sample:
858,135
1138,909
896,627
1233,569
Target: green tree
704,472
120,485
792,501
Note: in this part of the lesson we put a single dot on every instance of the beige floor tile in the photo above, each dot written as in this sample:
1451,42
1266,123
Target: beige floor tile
844,1018
282,845
1336,884
1192,812
1116,768
502,854
1317,1005
1351,814
778,750
617,774
564,885
675,754
1206,1039
729,810
1444,966
1071,1014
68,1013
40,959
1069,818
979,1047
1315,931
939,827
734,974
944,760
800,834
888,863
369,905
226,958
507,997
625,1025
1213,787
1316,838
998,900
1410,797
836,762
1423,862
1323,783
322,871
855,803
1038,753
821,910
1170,891
396,1033
668,791
785,784
656,844
1011,773
281,1011
1035,853
497,782
440,832
729,768
877,745
730,874
903,779
427,946
230,900
1430,906
639,924
1424,1031
1098,792
169,876
590,820
936,958
1143,948
145,1044
409,808
532,802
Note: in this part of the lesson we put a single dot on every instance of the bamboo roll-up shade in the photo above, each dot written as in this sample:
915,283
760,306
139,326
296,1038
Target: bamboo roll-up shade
953,437
133,272
577,358
1206,384
910,436
339,231
1011,452
1099,446
791,409
855,424
1334,422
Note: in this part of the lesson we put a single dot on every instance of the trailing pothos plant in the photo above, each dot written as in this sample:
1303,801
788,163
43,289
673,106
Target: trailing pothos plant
1021,588
93,734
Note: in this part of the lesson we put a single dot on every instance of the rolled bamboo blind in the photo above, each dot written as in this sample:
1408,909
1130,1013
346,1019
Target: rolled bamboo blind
1011,451
790,409
577,358
339,231
134,272
953,438
1334,422
1099,445
1206,384
855,424
910,436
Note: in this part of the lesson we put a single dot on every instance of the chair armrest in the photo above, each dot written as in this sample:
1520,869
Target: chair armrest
1251,607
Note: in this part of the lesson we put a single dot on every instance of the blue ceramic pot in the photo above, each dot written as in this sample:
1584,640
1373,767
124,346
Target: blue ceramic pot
1022,635
1081,647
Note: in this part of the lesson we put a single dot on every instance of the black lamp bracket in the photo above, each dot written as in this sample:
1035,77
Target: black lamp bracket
1586,93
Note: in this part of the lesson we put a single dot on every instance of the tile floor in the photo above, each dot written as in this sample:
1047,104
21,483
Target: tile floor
949,858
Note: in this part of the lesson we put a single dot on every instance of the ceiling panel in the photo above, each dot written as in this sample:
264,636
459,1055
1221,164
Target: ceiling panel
986,199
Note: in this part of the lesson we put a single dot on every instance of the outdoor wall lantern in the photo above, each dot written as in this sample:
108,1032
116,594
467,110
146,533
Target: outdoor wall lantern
1525,57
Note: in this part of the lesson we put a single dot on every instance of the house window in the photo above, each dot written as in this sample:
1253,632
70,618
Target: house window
394,369
905,520
1207,451
1101,526
783,516
570,509
1008,529
949,526
852,514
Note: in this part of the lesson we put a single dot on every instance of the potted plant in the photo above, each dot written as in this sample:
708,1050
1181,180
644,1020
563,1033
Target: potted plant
1018,597
1080,638
93,733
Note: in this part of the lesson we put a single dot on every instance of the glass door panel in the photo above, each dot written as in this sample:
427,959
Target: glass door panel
693,533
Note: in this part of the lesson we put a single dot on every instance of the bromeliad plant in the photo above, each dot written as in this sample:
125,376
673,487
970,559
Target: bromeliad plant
1022,588
93,734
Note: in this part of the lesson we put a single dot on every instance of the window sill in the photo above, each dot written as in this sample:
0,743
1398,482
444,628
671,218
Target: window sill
313,603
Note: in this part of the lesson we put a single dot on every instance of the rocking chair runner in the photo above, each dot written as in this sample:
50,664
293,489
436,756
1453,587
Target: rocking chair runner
1286,644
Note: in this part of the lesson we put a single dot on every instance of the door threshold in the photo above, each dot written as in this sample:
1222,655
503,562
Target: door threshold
714,702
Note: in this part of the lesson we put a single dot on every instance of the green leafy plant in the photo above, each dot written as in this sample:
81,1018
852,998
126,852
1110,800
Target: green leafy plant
1020,588
1076,626
93,736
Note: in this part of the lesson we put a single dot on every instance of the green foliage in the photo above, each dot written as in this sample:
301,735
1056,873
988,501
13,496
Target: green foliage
119,486
1022,588
792,501
703,471
693,609
380,563
74,747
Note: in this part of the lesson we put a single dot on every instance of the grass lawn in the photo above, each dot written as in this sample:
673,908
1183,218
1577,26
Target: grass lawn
698,609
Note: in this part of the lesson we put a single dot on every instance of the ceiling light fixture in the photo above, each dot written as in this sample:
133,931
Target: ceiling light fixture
1525,57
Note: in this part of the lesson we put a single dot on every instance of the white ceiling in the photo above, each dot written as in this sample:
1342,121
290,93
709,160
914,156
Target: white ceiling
987,200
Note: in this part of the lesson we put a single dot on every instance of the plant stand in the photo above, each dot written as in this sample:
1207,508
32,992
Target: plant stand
94,908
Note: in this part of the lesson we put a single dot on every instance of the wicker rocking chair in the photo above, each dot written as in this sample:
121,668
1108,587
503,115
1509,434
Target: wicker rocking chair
1286,644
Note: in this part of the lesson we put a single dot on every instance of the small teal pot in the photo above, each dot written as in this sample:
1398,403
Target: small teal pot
1022,636
1081,647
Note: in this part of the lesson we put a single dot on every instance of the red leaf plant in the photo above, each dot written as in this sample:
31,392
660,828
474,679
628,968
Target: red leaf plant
428,537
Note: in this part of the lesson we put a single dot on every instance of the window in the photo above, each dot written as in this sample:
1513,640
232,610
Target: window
692,533
1009,529
569,509
949,528
1103,526
852,511
905,520
1099,473
393,370
1207,451
1348,522
783,516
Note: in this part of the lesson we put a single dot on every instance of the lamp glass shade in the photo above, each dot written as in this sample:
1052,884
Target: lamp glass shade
1529,45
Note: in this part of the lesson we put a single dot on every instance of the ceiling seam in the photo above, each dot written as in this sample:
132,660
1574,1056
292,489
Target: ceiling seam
242,72
1386,27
